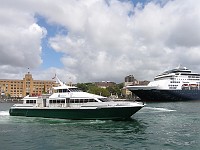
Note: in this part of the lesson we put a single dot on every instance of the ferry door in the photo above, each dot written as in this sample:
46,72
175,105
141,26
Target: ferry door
44,102
67,102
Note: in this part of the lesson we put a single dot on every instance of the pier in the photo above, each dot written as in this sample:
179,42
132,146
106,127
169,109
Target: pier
10,100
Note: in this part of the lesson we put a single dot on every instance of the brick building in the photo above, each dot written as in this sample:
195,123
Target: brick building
27,86
104,84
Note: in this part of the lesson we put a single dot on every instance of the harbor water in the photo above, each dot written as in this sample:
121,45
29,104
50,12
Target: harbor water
158,126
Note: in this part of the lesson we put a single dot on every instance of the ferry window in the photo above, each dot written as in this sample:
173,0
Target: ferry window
71,101
60,101
81,100
75,90
103,99
66,90
92,100
76,100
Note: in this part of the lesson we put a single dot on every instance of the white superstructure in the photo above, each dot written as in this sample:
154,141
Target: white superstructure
177,79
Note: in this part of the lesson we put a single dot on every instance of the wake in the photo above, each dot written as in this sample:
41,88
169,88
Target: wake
4,113
157,109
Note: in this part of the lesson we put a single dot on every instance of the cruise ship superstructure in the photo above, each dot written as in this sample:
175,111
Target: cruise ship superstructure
178,84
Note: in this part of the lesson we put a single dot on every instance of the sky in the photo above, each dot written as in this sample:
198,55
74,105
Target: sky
98,40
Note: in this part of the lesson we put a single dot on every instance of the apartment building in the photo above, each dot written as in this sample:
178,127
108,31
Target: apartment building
27,86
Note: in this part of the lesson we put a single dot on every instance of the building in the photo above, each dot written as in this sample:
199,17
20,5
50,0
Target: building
27,86
104,84
130,80
145,82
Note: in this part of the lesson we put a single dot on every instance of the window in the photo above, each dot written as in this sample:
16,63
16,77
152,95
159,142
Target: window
82,100
65,90
57,101
30,101
104,99
92,100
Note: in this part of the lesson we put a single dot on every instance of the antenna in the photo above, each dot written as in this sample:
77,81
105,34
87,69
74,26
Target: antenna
60,82
179,66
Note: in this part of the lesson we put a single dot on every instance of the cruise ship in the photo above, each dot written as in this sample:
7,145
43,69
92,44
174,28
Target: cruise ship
178,84
68,102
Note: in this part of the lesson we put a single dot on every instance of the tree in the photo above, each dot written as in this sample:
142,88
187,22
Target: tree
114,90
82,86
92,88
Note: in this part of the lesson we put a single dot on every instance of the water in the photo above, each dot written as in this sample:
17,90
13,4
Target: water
158,126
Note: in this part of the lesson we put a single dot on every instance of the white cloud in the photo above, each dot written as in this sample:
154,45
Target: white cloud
20,39
106,40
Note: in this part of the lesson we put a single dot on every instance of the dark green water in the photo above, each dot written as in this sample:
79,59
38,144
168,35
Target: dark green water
158,126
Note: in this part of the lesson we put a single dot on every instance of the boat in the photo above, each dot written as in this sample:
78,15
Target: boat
68,102
178,84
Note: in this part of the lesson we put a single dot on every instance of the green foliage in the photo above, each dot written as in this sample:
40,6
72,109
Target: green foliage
82,86
120,85
92,88
98,91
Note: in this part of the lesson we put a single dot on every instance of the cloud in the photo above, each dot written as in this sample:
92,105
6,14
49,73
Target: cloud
105,40
20,39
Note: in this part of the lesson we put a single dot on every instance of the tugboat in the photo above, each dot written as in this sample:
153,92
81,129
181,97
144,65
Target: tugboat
68,102
178,84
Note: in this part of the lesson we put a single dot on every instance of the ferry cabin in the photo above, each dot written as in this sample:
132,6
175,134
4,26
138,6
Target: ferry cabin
69,97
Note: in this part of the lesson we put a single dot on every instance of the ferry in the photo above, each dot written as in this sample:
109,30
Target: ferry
178,84
68,102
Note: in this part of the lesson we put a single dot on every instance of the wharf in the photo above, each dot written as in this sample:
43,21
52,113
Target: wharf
10,101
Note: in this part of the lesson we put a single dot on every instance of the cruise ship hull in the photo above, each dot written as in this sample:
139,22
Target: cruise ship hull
159,95
111,113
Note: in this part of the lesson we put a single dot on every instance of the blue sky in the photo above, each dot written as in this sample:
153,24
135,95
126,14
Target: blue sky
49,56
89,40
